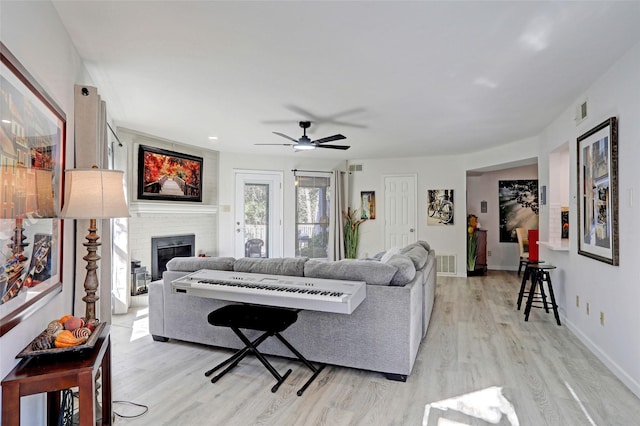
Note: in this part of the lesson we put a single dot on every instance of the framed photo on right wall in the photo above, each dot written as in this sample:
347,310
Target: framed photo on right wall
598,192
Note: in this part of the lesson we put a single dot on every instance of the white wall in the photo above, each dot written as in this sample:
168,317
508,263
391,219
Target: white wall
446,172
614,290
34,34
432,173
229,162
504,256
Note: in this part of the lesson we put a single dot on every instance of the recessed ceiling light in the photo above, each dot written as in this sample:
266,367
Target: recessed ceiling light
6,121
213,138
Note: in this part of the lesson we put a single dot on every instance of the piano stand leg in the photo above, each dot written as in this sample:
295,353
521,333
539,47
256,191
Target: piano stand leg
316,370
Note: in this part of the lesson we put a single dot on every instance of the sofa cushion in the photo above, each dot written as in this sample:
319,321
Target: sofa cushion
406,271
290,266
371,272
192,264
417,254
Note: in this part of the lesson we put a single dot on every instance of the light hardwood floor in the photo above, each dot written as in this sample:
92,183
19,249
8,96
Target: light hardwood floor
476,340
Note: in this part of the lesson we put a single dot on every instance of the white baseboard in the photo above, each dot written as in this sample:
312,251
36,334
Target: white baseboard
633,385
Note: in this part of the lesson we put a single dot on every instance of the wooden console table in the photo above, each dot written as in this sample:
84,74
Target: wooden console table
33,376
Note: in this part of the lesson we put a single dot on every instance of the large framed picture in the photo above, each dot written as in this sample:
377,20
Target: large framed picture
518,204
168,175
32,143
598,192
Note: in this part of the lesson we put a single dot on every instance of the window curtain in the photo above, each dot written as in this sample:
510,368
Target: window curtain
336,237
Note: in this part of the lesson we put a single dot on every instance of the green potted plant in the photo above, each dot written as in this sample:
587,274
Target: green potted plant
352,224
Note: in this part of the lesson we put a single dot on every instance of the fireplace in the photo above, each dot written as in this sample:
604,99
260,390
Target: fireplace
163,249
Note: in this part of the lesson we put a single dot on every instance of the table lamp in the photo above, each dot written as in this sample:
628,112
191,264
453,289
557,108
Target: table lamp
93,194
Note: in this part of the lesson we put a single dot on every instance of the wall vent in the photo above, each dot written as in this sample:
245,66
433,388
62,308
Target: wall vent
355,167
446,264
582,111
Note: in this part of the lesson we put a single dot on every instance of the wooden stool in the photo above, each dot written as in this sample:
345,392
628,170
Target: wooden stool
529,267
272,321
541,275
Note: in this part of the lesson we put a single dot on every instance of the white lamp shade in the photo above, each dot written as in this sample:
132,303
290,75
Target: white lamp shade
94,194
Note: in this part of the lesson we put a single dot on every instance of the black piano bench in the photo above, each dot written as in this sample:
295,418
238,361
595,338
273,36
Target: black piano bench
272,321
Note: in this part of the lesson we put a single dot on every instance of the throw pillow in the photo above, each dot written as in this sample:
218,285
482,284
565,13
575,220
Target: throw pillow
379,255
392,251
425,245
418,255
406,271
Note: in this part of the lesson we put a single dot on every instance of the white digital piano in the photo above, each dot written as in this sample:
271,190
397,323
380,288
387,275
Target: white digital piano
314,294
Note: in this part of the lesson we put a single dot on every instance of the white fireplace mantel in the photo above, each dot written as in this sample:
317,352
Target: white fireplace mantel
139,208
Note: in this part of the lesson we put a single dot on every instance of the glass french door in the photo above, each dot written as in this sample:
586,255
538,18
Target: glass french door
258,219
313,198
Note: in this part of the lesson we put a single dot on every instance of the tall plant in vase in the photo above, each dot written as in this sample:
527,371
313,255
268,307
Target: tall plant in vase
472,242
352,224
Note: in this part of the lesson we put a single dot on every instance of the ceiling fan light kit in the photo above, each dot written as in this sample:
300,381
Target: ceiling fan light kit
304,143
303,147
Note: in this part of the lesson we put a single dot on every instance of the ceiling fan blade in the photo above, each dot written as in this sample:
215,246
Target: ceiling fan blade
344,147
330,138
285,136
276,144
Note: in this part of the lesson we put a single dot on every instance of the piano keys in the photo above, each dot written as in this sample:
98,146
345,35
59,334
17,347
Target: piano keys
314,294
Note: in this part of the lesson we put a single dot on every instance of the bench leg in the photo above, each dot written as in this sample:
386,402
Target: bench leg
316,370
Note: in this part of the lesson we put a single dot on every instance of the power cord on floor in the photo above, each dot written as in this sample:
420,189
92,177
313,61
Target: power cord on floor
115,413
144,407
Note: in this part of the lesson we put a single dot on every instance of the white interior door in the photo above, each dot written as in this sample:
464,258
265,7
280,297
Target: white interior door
258,222
400,210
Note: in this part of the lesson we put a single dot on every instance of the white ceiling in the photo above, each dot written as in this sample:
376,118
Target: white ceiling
397,78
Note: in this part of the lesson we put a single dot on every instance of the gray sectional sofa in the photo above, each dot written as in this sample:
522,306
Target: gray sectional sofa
383,334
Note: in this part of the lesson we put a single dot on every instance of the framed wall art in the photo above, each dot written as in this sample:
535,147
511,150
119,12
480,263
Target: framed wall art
440,207
32,143
518,204
368,205
598,192
168,175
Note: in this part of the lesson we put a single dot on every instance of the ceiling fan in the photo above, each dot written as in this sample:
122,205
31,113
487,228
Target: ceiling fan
305,143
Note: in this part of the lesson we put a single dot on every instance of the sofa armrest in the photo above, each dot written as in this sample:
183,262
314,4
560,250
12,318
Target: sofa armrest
158,291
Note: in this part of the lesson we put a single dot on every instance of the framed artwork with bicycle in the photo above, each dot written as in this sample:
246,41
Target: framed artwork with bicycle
440,207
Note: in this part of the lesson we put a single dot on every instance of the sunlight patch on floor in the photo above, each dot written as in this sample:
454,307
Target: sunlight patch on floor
582,407
487,404
445,422
140,327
